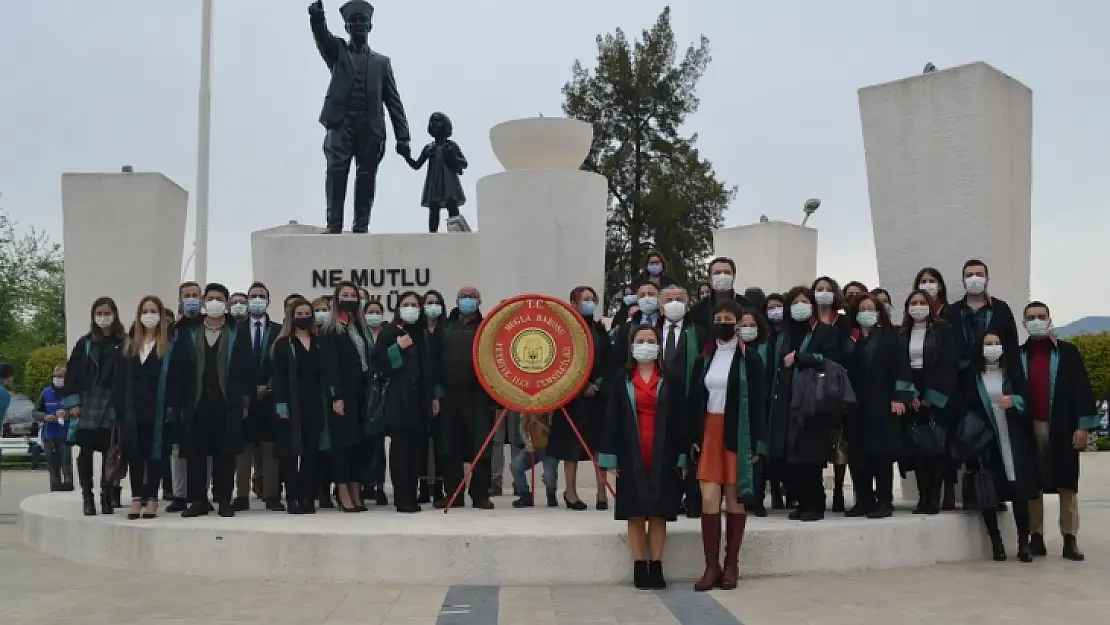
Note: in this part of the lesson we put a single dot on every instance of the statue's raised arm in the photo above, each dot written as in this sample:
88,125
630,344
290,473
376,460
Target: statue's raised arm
328,44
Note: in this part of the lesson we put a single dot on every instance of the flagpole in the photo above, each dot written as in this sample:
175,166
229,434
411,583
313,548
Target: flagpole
204,143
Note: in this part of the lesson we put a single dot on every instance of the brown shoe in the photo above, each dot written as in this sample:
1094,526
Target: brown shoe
711,545
734,537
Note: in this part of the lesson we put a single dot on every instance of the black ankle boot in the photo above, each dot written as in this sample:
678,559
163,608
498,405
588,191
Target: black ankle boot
117,496
640,575
106,501
1071,549
1037,546
424,494
655,575
1023,552
998,550
88,504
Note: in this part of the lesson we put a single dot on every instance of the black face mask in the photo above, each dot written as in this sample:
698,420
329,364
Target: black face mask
724,331
348,305
304,323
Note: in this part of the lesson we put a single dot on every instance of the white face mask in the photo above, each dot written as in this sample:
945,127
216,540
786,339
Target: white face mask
649,305
105,321
409,314
1038,328
721,281
919,312
929,287
373,320
674,310
824,298
645,352
321,316
748,334
774,313
867,318
238,309
992,353
975,284
149,320
258,306
801,311
59,382
215,308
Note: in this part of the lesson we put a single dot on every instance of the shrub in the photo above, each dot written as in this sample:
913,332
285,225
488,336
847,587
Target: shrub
39,368
1095,349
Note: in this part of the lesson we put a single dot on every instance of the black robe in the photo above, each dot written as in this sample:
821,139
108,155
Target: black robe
1027,481
413,378
745,413
588,412
880,374
812,345
298,391
259,425
465,405
344,379
937,380
640,493
90,373
237,376
145,397
999,320
1071,407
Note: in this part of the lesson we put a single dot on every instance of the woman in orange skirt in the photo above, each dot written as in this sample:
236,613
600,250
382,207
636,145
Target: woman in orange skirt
728,422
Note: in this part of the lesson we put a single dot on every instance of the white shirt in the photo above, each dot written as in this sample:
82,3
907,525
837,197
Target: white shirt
258,326
992,383
148,347
917,346
716,378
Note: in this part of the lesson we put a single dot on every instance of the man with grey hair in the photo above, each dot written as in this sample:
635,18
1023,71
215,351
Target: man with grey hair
680,347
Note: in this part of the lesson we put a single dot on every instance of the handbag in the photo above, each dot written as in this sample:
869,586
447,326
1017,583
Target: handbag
926,440
375,402
970,437
114,467
979,491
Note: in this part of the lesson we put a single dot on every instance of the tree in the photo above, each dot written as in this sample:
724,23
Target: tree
662,193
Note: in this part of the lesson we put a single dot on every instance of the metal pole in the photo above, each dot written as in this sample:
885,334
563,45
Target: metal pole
204,141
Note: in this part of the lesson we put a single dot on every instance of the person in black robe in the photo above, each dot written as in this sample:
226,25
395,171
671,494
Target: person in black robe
774,311
932,353
830,306
190,310
1062,406
374,315
977,313
299,405
676,314
643,437
216,378
345,355
880,375
627,300
465,421
804,343
654,271
755,333
996,391
431,486
588,409
722,279
405,355
90,373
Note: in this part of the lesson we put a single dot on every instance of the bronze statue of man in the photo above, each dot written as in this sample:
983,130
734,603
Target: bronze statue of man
362,85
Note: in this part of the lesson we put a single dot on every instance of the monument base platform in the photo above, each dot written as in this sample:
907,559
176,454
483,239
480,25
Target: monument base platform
538,546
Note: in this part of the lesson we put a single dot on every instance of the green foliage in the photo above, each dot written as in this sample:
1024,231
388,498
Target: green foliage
39,368
1095,349
32,291
1103,444
662,193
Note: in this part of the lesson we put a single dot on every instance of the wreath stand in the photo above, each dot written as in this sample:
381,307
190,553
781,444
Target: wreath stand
496,426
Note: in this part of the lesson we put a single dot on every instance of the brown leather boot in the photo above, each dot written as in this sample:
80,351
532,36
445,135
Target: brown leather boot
734,537
711,544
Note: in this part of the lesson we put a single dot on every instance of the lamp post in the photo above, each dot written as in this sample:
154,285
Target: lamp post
809,208
204,142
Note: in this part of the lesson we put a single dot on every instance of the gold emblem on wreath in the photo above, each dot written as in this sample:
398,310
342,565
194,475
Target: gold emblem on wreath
533,351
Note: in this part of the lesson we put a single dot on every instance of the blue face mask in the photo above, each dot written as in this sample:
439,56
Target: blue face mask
649,305
468,305
629,299
655,268
588,309
191,306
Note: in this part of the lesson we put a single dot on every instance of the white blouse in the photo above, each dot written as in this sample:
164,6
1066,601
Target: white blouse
148,346
716,378
917,346
992,381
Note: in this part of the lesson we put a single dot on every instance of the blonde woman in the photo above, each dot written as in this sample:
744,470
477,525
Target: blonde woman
144,397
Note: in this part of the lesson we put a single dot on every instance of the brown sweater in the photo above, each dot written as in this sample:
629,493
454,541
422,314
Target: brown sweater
535,428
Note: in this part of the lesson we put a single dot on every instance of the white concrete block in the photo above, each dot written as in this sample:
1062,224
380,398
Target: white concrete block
949,172
123,236
773,255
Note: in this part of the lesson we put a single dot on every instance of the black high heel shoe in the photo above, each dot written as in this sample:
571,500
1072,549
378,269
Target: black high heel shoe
576,505
131,516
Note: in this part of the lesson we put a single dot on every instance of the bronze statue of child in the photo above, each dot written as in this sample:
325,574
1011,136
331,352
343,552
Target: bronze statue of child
442,187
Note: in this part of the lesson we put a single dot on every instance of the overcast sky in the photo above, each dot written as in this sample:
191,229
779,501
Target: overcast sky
89,86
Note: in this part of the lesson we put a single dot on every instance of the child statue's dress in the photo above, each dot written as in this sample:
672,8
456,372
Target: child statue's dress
442,186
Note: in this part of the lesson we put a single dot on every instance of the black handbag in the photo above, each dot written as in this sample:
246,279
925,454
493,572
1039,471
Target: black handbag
926,440
970,437
979,490
375,403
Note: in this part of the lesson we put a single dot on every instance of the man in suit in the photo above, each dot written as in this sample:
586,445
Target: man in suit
362,85
722,276
258,446
680,348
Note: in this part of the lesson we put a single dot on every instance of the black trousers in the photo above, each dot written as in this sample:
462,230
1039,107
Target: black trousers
929,474
85,469
433,214
298,475
223,477
480,478
145,477
375,447
873,478
807,484
352,139
404,464
347,464
1020,509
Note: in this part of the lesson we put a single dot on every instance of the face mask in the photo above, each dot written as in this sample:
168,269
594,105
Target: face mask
919,313
258,306
321,316
303,323
149,320
433,311
724,331
867,318
629,300
774,313
649,305
801,311
929,287
824,298
674,310
645,352
468,305
105,321
992,352
215,308
748,334
238,309
348,305
409,314
191,306
720,281
1038,328
976,285
655,268
59,382
588,309
374,320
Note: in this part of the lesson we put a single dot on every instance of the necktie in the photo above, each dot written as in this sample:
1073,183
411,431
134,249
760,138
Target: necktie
669,349
257,339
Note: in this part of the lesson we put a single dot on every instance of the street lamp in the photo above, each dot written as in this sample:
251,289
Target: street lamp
809,208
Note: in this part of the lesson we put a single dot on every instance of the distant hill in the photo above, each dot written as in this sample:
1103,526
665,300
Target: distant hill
1086,325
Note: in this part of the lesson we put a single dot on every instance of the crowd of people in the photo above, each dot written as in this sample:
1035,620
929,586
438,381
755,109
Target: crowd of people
714,408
